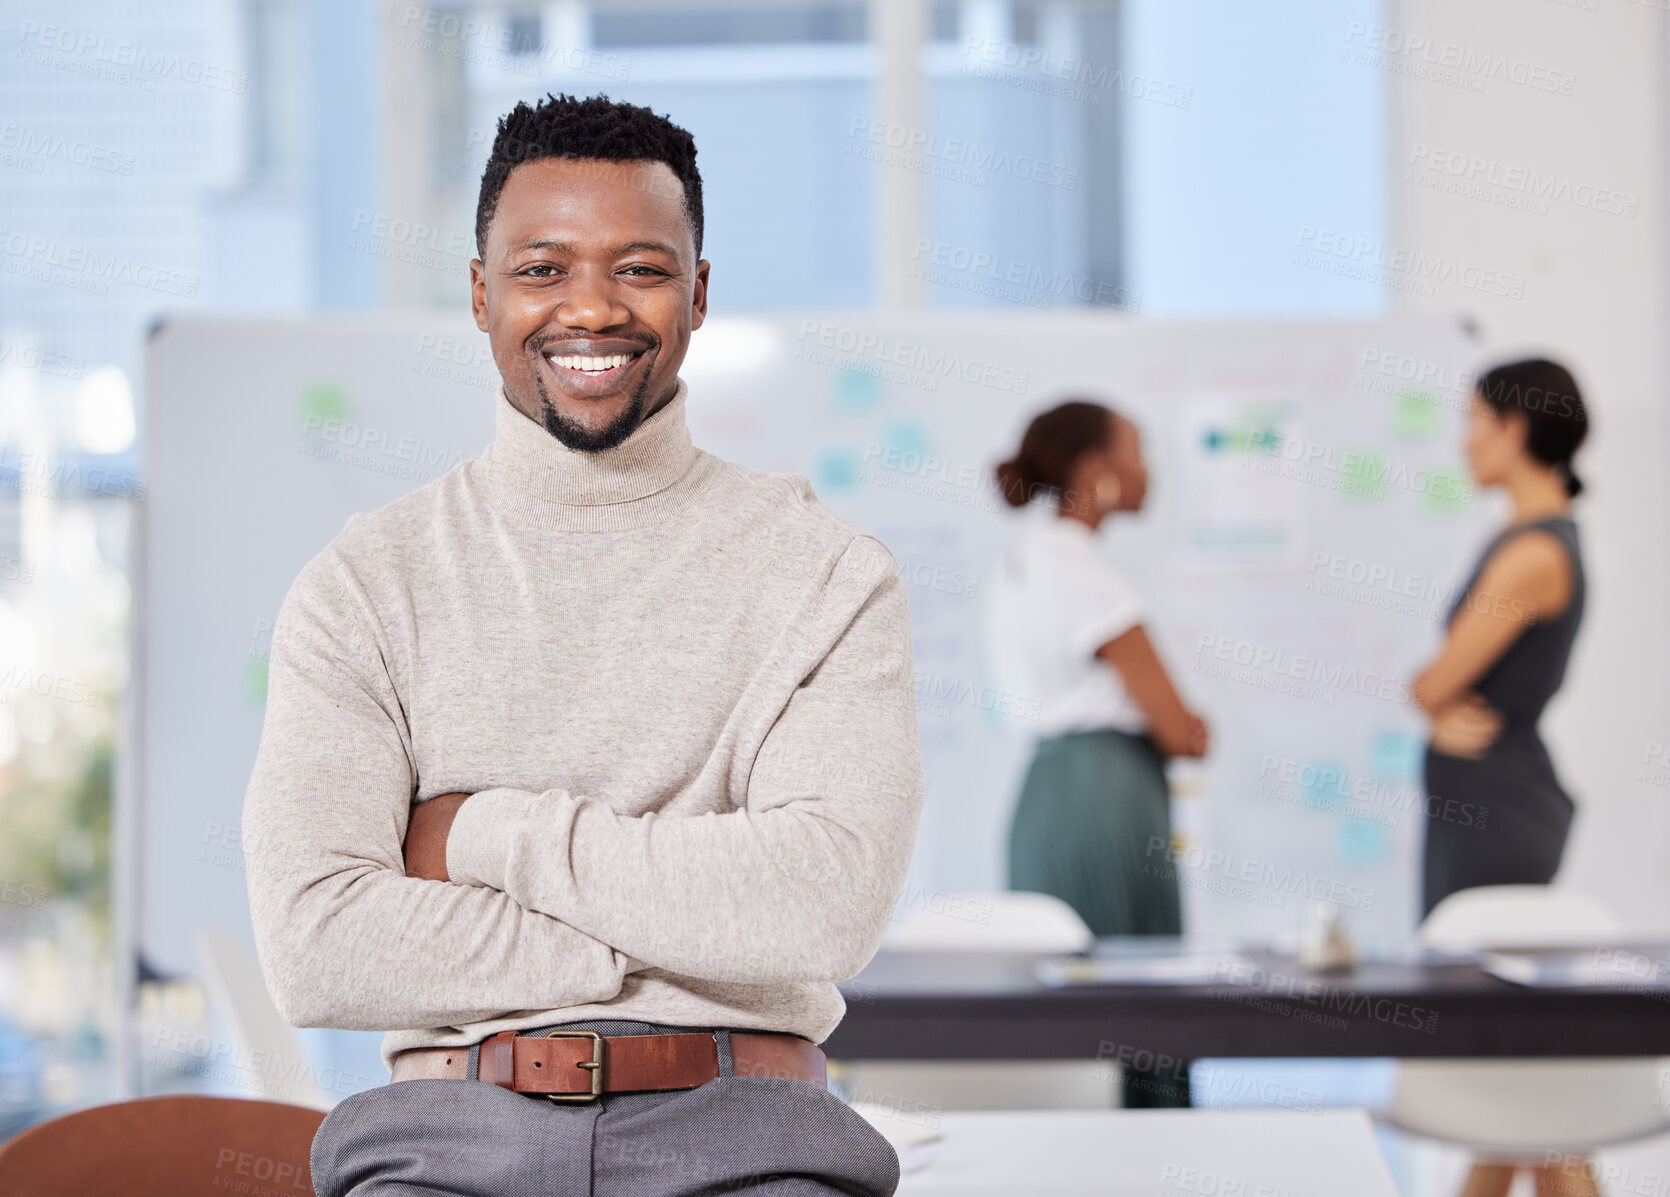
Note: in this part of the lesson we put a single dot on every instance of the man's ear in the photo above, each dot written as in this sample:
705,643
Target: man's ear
478,293
698,298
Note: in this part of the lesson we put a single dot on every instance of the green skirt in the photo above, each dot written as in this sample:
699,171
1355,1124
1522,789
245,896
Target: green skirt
1093,827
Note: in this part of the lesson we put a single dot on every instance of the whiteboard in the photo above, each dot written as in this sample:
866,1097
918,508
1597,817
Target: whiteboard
1307,521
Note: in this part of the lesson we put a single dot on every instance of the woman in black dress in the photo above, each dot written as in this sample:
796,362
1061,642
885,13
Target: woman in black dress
1496,812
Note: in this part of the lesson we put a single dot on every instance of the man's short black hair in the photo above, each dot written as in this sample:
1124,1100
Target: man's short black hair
562,126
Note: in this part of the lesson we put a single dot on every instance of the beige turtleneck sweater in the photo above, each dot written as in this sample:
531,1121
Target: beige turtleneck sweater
680,692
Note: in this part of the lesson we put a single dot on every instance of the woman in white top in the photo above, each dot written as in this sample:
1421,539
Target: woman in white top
1066,629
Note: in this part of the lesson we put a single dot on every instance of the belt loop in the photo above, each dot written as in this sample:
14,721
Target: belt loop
723,1039
474,1073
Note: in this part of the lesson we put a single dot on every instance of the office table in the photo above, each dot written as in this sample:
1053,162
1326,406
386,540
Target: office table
957,1005
1141,1153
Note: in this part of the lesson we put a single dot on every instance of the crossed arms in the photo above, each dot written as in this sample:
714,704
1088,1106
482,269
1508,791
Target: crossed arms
553,897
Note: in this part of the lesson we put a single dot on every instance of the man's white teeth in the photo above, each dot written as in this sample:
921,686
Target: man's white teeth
592,365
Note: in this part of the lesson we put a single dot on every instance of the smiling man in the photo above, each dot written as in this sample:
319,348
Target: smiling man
590,767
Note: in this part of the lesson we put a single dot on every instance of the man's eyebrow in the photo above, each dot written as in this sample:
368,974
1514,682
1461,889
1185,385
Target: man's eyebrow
564,247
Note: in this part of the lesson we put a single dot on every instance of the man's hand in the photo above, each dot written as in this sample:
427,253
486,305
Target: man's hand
426,833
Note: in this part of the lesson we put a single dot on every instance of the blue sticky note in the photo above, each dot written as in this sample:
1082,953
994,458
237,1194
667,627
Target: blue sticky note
837,470
1395,756
905,436
1362,841
856,390
1324,785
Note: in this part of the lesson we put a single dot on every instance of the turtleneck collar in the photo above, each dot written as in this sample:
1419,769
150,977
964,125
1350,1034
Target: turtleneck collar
638,481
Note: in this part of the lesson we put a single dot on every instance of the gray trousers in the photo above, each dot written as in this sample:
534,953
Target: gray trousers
766,1136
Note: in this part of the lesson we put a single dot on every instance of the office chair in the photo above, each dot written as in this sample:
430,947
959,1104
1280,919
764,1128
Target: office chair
165,1147
1513,1113
997,921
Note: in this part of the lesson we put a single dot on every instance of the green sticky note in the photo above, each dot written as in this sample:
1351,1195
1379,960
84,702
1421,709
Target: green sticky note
1366,474
255,679
1448,491
324,401
1416,416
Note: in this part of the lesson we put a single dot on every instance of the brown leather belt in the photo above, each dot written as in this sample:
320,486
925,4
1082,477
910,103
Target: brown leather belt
576,1065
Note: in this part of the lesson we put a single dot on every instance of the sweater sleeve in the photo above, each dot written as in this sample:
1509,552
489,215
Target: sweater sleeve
797,884
344,937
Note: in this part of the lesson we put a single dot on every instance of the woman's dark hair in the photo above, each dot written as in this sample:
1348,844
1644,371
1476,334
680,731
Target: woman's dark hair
1051,448
1556,419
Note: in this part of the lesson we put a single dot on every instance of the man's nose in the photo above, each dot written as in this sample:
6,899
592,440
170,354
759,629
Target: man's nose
591,300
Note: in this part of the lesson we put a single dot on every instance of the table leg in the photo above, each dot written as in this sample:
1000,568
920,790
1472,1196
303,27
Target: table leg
1569,1178
1491,1180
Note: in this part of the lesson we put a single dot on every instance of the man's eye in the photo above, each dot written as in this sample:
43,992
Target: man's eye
647,270
537,270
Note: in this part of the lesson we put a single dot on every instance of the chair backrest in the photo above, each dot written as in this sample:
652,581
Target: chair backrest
991,921
1519,916
165,1147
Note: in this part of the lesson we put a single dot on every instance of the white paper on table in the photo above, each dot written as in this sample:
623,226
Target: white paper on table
1208,969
